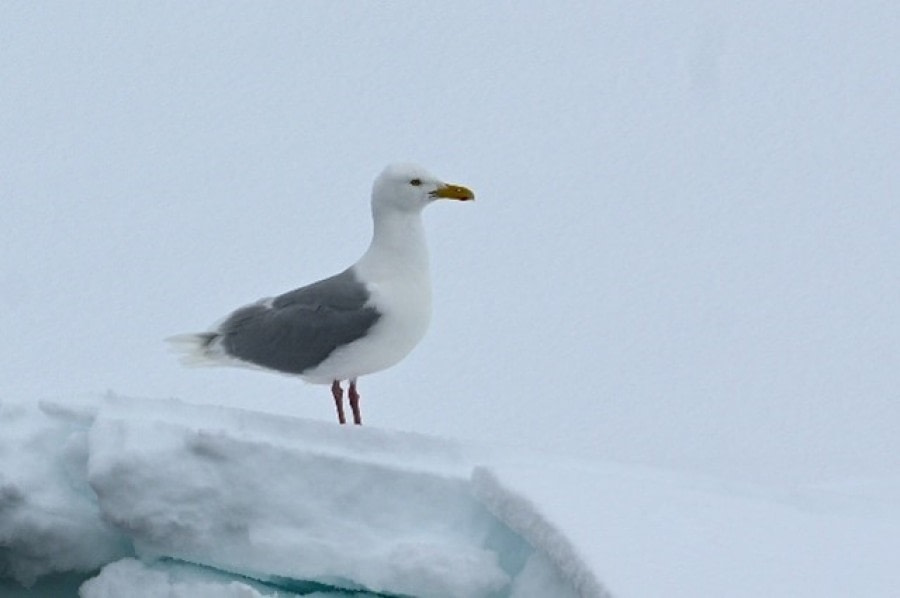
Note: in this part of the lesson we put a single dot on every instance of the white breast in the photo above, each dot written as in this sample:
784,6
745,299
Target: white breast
405,315
395,271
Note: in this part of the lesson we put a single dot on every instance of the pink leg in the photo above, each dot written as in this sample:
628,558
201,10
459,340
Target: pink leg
338,393
354,403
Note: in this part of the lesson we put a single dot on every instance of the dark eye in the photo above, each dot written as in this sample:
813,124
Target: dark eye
415,182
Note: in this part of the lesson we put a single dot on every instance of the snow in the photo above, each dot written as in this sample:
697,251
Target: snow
130,577
270,501
153,498
646,532
524,516
49,518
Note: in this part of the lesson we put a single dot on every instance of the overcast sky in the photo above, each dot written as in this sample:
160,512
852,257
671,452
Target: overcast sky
685,249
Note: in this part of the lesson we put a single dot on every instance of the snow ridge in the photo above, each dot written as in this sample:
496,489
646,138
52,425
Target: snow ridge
524,517
216,501
190,501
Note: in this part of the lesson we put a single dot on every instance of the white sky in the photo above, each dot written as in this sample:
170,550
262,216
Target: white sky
684,251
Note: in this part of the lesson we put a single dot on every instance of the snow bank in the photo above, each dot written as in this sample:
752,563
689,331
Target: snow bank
523,516
49,518
271,505
274,498
134,579
648,533
160,498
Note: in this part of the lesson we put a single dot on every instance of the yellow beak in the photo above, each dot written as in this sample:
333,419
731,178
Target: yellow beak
453,192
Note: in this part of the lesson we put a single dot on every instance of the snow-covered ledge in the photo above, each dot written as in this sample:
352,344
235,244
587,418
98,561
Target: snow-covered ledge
145,499
265,502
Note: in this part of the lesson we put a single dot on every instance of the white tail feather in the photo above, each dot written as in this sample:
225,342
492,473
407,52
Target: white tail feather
196,349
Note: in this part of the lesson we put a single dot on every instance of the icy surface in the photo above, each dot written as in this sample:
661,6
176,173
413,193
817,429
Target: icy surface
272,498
296,506
161,498
130,577
524,516
649,533
49,519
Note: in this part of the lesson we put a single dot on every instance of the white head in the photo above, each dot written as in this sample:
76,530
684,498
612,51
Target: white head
409,188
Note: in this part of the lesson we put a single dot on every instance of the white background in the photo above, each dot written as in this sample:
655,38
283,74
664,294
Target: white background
684,250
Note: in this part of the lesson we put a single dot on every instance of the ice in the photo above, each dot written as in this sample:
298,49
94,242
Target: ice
293,506
132,578
273,498
49,519
646,532
161,498
540,579
522,515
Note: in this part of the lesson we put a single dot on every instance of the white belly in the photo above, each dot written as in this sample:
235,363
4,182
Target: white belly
406,313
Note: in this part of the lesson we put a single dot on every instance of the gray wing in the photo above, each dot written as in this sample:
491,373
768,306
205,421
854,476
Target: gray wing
301,328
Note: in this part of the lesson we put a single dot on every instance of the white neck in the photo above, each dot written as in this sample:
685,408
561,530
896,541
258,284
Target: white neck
398,246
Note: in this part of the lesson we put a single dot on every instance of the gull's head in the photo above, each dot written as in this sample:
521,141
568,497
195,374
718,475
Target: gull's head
409,188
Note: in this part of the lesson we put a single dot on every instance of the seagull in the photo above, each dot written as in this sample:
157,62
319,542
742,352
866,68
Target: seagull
362,320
